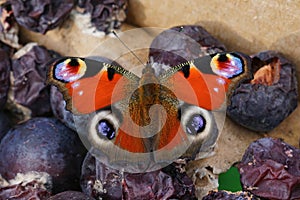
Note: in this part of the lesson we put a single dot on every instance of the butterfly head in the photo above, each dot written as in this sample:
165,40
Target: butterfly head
148,69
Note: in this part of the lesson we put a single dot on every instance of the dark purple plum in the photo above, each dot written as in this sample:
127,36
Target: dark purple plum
226,195
30,95
43,145
5,65
181,43
262,107
5,123
33,185
270,169
105,15
39,15
70,195
100,181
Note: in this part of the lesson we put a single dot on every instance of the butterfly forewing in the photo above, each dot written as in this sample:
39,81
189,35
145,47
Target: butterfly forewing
91,89
210,78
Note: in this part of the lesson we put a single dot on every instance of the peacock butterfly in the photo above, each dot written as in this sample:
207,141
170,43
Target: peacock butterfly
151,119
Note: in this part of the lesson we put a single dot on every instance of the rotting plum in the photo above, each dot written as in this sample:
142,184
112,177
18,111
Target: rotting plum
4,78
226,195
270,169
39,15
183,43
100,181
70,195
5,123
30,96
105,15
263,107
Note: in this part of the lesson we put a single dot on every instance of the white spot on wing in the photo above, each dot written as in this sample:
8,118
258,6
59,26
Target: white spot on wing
75,85
80,93
74,78
221,81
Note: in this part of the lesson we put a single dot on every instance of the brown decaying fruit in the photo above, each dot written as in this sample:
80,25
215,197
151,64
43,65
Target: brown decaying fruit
268,74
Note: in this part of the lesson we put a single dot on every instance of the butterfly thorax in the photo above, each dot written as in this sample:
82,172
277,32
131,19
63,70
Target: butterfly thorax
149,87
144,97
151,105
149,93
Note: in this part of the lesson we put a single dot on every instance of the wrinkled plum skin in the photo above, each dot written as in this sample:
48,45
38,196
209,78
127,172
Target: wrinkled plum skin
105,15
166,183
5,65
271,166
40,15
179,44
31,190
70,195
5,124
224,195
43,145
261,108
29,88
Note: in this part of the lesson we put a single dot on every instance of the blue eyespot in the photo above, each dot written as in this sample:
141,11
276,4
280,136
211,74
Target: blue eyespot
196,124
69,70
106,129
227,65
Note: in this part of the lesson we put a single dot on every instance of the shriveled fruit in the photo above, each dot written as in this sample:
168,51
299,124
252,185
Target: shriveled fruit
270,169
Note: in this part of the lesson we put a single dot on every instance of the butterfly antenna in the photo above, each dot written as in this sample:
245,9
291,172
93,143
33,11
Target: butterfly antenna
115,34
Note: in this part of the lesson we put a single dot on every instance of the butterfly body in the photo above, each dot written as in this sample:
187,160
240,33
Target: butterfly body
150,105
152,118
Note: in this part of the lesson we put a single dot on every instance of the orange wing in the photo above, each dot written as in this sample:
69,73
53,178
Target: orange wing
206,81
170,136
89,85
130,143
93,93
204,90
